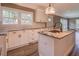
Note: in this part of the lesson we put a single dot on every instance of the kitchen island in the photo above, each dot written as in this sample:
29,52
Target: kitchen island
56,44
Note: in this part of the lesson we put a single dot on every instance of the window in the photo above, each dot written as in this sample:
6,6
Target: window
72,24
16,16
26,18
77,23
64,24
10,17
49,18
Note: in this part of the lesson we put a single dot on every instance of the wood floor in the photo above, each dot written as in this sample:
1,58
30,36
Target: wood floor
76,49
32,49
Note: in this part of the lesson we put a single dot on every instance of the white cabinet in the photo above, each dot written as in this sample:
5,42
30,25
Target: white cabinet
25,39
40,16
3,50
45,45
17,39
28,35
35,35
20,38
14,39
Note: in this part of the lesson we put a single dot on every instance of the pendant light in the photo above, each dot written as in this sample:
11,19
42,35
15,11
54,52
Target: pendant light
50,10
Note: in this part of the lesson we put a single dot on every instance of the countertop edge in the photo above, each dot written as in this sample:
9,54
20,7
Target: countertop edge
54,36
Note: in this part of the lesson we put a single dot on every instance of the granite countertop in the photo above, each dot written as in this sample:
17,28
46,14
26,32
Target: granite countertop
59,35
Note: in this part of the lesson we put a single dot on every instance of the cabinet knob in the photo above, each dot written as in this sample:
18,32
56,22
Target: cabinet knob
14,32
45,43
7,40
19,36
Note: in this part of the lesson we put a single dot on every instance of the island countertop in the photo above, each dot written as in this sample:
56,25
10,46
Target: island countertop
59,35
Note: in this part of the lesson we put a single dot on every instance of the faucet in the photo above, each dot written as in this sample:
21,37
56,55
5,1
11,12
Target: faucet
58,24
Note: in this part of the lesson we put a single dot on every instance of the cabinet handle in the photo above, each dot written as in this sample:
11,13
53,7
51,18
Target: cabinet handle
14,32
19,36
45,43
7,40
32,39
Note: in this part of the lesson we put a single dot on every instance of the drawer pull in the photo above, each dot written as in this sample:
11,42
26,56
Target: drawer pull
14,32
7,40
19,36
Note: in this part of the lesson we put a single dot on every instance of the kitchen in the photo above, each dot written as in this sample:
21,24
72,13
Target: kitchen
25,28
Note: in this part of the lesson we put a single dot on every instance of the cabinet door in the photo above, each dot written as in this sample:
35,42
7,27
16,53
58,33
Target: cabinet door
45,45
3,50
26,38
35,35
20,36
41,16
30,35
14,39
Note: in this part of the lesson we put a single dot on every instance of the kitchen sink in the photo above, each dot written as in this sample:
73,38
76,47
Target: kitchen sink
55,31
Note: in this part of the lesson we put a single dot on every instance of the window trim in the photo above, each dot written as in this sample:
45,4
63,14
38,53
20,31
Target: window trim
6,8
15,6
19,20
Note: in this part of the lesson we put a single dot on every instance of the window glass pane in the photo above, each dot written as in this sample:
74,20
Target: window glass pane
77,23
26,18
72,24
12,14
10,17
12,21
5,13
49,18
5,20
64,24
9,21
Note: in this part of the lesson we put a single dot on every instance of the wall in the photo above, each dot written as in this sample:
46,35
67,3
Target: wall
34,25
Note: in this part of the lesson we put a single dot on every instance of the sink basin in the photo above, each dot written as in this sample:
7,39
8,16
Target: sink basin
55,31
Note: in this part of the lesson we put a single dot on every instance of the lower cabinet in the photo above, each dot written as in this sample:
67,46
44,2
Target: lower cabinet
3,49
14,39
20,38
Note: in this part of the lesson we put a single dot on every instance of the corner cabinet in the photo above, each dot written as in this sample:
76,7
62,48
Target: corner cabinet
40,16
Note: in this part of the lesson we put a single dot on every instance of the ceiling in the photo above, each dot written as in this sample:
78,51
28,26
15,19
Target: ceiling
68,10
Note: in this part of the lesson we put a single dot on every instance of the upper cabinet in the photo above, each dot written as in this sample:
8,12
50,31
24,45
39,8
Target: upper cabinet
40,16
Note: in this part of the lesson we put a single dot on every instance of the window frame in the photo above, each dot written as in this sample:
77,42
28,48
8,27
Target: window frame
22,11
19,13
7,8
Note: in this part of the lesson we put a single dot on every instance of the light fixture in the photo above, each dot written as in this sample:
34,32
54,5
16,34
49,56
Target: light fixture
50,10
